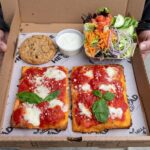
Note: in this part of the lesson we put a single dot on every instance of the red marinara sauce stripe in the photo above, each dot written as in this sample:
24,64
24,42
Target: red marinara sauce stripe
100,77
49,116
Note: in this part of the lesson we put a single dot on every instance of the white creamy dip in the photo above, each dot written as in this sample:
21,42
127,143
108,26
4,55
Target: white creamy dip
70,41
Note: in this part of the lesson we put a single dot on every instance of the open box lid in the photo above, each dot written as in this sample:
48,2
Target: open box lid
38,11
38,14
69,11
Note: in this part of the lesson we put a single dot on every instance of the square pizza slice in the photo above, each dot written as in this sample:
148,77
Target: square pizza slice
99,98
42,100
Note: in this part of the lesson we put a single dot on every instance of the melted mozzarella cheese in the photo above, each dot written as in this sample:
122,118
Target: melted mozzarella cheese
106,87
115,112
38,80
32,114
89,74
111,71
65,108
84,111
86,87
55,73
41,91
57,102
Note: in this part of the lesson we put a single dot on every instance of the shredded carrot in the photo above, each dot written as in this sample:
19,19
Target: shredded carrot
90,36
103,42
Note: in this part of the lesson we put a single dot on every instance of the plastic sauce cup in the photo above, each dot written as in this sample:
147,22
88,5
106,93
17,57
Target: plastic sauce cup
69,41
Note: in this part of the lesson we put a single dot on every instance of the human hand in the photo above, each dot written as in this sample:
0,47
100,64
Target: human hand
144,42
3,41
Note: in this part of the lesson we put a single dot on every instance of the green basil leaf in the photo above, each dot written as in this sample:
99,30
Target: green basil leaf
95,106
99,106
108,96
97,93
52,96
29,97
102,117
100,110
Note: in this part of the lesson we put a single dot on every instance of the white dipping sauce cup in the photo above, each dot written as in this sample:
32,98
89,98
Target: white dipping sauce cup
69,41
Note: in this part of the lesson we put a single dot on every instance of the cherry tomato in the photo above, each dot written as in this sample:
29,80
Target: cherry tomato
100,18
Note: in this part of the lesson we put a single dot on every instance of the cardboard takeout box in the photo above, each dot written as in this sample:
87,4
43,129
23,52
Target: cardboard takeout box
52,16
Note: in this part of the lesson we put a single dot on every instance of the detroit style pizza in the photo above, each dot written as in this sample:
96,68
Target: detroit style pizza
42,99
99,99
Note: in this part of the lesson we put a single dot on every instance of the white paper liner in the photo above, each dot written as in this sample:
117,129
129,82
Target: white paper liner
139,125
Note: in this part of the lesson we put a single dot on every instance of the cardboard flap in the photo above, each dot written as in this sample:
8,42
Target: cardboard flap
65,11
8,9
135,8
142,82
53,27
34,13
7,63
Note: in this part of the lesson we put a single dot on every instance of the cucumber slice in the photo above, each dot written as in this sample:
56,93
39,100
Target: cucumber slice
113,21
134,23
129,30
119,21
127,22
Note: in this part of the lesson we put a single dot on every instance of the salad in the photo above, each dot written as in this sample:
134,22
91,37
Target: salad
108,36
